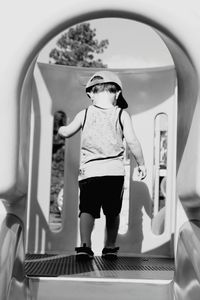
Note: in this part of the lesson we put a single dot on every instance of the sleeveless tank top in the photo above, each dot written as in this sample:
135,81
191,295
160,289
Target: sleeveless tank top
102,148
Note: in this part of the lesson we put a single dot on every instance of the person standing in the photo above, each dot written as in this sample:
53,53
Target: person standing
105,124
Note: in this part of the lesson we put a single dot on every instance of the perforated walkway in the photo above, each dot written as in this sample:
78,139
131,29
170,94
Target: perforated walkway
123,267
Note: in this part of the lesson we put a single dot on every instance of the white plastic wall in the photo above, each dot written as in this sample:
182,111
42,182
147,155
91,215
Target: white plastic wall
148,93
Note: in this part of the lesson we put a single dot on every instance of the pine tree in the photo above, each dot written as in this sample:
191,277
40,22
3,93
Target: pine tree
78,47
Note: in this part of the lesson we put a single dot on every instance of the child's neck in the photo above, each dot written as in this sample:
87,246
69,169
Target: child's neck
103,102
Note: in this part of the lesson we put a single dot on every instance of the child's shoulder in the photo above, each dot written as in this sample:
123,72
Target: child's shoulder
124,113
81,115
83,111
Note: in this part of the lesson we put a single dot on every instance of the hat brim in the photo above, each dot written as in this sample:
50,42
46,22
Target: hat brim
121,102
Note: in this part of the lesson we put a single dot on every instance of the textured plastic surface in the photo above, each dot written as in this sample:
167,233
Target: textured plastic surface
57,265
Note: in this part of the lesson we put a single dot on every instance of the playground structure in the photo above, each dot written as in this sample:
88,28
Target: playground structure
31,93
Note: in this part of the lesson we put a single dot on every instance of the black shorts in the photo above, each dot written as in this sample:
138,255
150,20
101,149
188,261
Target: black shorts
104,192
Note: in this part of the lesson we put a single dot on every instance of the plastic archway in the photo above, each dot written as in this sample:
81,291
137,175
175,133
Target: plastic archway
27,26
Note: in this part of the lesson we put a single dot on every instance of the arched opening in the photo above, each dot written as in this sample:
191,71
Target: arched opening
126,53
185,74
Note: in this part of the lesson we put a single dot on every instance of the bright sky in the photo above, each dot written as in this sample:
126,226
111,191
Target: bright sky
131,44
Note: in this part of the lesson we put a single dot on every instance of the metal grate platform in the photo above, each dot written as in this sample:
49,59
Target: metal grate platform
57,265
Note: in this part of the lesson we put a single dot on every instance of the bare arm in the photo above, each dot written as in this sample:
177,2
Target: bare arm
73,127
133,143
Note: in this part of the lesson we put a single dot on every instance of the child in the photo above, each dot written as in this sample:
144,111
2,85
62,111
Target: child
104,124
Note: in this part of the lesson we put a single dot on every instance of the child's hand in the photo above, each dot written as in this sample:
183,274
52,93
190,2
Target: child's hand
61,131
142,172
139,173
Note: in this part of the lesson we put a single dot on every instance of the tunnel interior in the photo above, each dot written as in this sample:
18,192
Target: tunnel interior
187,95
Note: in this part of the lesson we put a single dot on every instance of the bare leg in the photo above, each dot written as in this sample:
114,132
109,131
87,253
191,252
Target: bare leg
86,227
112,226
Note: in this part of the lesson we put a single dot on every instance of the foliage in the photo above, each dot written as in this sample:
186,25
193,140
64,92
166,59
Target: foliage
58,156
78,47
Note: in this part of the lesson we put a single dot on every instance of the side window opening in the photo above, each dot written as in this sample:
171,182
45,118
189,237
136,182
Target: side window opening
57,173
159,172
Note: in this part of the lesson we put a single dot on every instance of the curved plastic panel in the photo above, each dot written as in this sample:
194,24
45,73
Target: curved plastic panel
13,283
187,274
